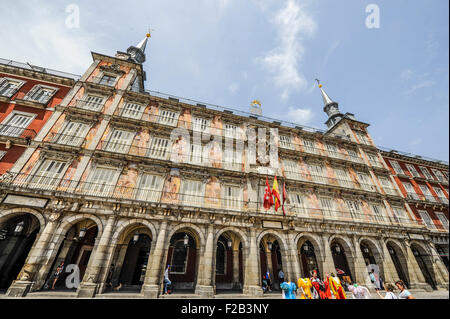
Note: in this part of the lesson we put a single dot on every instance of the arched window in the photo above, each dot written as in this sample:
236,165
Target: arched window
221,259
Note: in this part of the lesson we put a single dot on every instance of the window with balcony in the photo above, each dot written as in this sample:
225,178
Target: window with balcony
102,181
48,174
354,208
73,134
332,150
440,194
8,87
443,220
439,175
231,159
396,166
231,197
91,102
291,169
426,191
373,159
298,203
167,117
412,170
410,190
400,215
119,141
362,137
286,142
426,219
310,146
387,186
426,173
342,176
109,80
353,155
41,94
365,181
378,212
150,187
192,193
200,124
317,173
159,148
328,207
133,111
16,123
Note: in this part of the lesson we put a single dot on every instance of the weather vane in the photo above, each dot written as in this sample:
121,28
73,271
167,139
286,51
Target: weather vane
318,82
149,33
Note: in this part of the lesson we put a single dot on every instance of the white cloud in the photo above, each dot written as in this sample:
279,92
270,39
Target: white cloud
301,116
294,24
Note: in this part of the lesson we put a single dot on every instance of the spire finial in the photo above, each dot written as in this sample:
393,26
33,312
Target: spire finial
318,83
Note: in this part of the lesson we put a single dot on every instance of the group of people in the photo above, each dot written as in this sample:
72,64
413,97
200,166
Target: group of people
332,288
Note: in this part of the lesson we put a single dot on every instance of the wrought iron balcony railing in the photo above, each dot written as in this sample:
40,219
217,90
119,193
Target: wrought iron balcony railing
25,182
16,131
89,105
9,92
64,139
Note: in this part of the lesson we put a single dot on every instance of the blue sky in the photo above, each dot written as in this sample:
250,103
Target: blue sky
229,52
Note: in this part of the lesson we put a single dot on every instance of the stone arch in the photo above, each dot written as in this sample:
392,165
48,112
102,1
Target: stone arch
377,254
401,264
349,250
124,226
316,241
242,236
7,214
425,262
193,230
283,243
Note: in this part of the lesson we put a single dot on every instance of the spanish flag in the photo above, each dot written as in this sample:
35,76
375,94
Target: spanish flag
276,194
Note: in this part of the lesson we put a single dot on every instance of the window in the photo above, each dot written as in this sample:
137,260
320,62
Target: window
327,205
332,150
158,148
439,175
2,154
231,197
149,188
119,141
440,194
179,258
167,117
232,161
192,193
426,191
354,208
40,94
410,190
48,174
364,181
426,219
443,220
310,146
387,186
377,212
426,173
200,124
400,214
297,202
16,123
8,87
133,111
221,258
373,159
108,80
317,173
353,155
342,177
73,134
91,102
101,181
291,169
230,131
286,142
396,166
362,137
412,170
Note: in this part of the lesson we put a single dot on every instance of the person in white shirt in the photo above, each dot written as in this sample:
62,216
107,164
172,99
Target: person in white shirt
389,292
167,282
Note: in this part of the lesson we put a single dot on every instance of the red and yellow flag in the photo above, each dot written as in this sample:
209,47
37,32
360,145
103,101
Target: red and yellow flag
276,194
268,200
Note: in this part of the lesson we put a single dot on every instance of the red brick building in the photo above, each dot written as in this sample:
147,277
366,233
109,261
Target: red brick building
425,185
28,97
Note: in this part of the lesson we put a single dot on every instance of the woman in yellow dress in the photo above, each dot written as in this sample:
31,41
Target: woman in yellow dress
305,285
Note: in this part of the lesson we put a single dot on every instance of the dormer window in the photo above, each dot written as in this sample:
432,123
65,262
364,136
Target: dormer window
41,94
8,87
107,80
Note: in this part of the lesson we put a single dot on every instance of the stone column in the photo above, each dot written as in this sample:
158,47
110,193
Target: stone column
36,258
327,257
361,274
390,273
88,287
236,283
251,278
204,285
153,274
417,280
293,259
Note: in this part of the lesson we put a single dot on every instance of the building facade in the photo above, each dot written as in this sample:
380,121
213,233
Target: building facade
123,182
28,96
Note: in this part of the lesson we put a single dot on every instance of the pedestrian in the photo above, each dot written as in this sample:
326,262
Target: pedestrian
288,289
281,275
264,284
404,293
269,281
389,292
57,273
167,281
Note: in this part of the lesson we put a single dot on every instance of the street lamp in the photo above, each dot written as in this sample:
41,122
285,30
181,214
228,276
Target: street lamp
337,249
135,237
269,244
82,232
306,247
229,243
391,251
416,253
365,250
19,228
186,240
